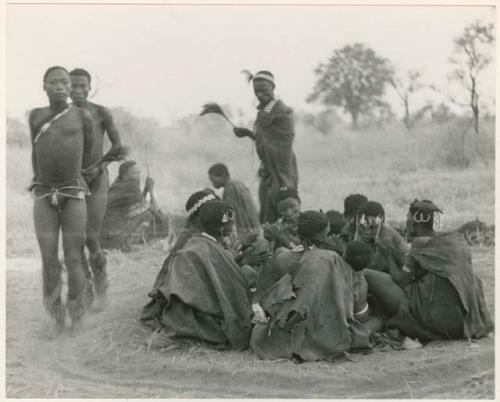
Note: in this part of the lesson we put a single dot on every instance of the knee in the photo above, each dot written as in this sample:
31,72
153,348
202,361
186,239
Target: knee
92,242
73,261
51,260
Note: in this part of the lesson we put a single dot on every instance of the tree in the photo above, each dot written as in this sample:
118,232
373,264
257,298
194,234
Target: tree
472,53
354,79
405,87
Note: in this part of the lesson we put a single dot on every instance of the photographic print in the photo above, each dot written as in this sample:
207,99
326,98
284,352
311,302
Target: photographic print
281,200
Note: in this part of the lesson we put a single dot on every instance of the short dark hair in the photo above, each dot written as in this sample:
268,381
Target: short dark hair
371,208
337,221
219,169
352,203
50,69
81,72
358,254
124,167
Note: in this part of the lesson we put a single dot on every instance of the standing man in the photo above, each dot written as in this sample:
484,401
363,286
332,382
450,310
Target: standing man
273,135
61,137
97,178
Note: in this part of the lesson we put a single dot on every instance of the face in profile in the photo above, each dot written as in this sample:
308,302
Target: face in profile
217,181
289,210
80,87
264,91
57,85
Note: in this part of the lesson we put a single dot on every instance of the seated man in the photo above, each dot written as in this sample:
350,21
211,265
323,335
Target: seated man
129,218
283,233
436,294
380,236
206,295
238,196
311,308
351,207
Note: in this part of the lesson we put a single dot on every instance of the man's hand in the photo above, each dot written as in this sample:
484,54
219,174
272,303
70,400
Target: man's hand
271,233
90,174
233,246
242,132
256,259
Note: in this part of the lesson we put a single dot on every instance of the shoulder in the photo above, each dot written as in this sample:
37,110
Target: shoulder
281,108
37,112
102,110
390,232
238,184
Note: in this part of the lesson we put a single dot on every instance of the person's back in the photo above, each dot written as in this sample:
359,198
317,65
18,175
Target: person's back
311,308
239,197
247,219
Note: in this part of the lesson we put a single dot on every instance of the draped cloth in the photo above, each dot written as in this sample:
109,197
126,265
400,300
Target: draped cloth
126,210
448,288
311,312
238,196
274,134
205,296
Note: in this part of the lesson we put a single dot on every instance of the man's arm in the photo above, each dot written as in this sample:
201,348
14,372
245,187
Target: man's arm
110,128
33,133
88,136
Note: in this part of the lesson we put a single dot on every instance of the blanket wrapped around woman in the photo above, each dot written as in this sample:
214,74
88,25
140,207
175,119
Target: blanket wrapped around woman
205,296
446,298
311,311
129,218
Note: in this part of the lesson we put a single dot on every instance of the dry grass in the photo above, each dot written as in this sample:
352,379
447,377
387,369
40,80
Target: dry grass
391,165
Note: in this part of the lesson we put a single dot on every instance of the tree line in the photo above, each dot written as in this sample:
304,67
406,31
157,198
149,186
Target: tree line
355,78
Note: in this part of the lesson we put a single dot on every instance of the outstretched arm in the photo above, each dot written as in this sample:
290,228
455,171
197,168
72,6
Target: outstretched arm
243,132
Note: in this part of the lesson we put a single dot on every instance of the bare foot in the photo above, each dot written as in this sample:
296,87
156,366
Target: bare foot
76,328
100,303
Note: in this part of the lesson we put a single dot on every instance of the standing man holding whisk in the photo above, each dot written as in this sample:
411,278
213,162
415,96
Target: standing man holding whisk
273,135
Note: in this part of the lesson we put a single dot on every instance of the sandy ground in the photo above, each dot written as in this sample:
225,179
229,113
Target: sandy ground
108,358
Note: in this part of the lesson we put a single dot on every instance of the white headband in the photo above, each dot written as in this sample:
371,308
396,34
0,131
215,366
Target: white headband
198,204
264,76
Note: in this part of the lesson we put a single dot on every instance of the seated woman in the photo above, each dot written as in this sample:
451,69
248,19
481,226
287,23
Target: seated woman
129,218
375,232
206,295
311,308
193,226
436,294
283,233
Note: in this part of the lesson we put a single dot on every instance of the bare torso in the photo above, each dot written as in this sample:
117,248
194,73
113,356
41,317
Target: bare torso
59,150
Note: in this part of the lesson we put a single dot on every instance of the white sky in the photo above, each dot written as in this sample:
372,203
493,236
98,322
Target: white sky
166,61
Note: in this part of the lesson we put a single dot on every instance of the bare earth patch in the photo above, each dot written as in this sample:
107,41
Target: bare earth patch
108,359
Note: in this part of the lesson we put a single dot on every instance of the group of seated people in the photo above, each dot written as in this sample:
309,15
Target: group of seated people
311,286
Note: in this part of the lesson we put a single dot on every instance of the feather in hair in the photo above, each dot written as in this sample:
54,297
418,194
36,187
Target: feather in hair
248,75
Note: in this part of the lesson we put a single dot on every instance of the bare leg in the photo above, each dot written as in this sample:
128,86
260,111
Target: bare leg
73,222
385,290
46,221
96,208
